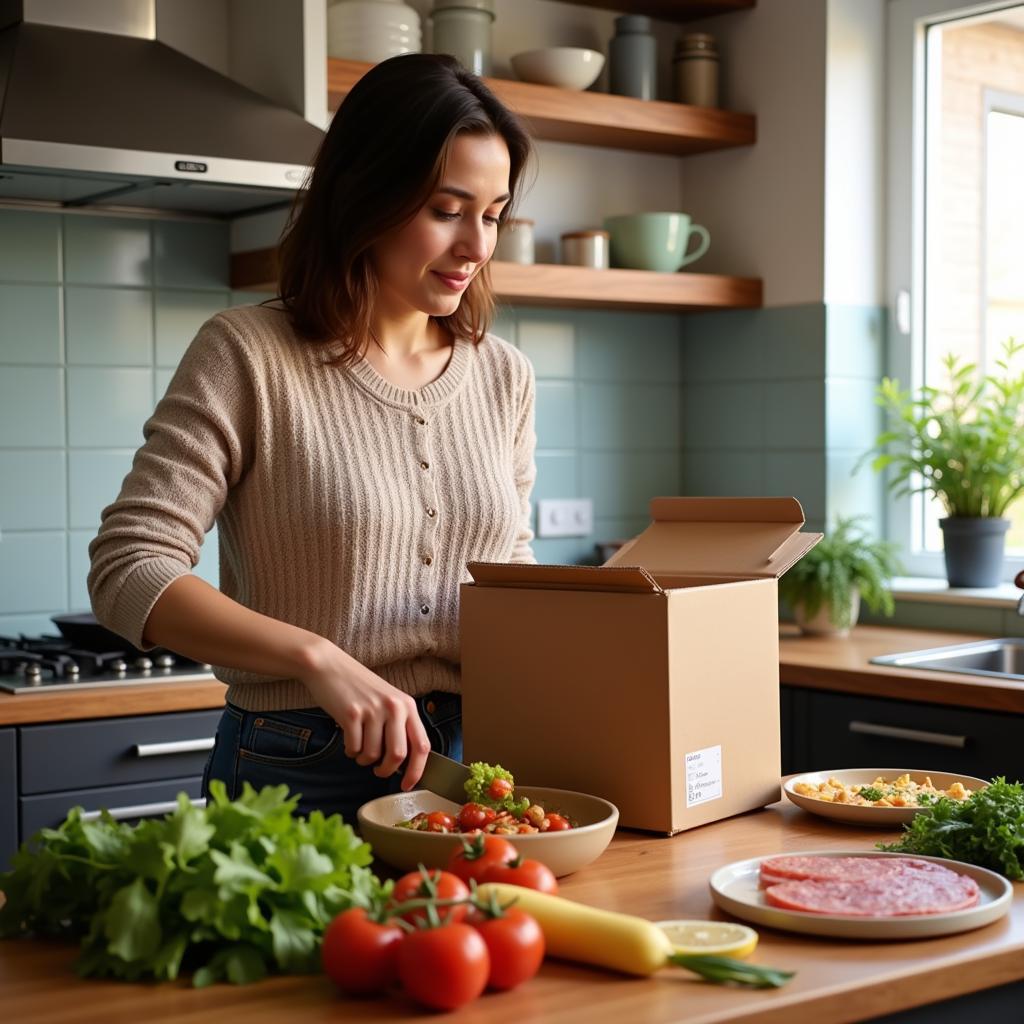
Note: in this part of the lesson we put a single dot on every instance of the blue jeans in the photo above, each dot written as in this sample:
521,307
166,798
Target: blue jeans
305,750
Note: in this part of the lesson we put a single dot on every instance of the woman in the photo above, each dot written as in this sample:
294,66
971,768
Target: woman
357,442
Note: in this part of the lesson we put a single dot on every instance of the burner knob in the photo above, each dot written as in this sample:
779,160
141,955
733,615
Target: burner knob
71,670
143,664
206,668
165,661
119,666
34,674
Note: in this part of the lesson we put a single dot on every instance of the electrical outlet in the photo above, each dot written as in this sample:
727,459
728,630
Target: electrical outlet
565,517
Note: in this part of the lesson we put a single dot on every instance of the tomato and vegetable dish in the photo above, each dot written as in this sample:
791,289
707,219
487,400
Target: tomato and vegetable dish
491,808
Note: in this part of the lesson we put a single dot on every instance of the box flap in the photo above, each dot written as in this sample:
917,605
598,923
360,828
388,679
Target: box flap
620,579
740,537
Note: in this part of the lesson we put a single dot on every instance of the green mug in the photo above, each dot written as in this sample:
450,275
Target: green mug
655,241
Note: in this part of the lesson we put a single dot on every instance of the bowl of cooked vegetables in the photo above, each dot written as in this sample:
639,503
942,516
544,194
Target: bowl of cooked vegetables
561,828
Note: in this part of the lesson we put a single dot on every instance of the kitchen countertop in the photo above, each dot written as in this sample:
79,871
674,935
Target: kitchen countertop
843,665
108,701
836,982
823,663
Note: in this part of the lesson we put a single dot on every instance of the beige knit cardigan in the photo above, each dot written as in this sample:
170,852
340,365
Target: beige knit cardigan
344,504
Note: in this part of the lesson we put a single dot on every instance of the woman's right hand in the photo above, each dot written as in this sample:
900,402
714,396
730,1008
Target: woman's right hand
380,722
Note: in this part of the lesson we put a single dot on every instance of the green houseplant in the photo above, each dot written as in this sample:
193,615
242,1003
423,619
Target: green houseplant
825,587
964,444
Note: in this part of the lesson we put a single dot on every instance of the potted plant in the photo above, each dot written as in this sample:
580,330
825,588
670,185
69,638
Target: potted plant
964,444
824,589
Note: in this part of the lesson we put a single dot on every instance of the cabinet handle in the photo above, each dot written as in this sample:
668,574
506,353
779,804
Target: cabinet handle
174,747
141,810
937,739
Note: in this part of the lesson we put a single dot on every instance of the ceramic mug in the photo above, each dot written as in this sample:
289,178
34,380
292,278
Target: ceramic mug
655,241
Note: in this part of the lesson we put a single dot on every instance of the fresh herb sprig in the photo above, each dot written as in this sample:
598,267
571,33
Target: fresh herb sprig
235,890
872,793
724,970
986,829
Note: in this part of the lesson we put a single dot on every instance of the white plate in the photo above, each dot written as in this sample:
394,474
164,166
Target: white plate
877,817
736,889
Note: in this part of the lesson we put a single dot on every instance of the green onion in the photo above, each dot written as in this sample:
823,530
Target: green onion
724,970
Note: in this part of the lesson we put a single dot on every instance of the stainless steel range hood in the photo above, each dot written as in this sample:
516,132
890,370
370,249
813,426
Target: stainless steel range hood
115,118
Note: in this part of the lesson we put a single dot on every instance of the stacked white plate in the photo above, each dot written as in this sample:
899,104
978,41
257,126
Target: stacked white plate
371,30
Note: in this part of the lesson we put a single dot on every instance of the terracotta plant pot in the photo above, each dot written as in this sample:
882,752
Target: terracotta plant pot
821,624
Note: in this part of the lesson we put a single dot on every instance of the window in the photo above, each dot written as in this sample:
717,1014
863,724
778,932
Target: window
956,213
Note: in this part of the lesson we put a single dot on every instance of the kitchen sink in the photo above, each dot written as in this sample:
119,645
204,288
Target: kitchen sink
1002,659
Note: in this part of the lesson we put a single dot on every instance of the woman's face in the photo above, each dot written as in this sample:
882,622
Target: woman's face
427,264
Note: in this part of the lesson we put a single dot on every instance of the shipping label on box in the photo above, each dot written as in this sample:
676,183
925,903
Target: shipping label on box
704,775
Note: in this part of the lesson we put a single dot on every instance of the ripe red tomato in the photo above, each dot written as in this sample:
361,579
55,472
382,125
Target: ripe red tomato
515,943
359,955
499,789
473,816
445,967
556,823
474,856
441,885
439,821
530,874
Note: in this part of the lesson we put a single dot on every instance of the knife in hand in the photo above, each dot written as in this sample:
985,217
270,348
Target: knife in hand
445,777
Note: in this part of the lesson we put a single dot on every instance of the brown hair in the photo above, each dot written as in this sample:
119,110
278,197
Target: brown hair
380,161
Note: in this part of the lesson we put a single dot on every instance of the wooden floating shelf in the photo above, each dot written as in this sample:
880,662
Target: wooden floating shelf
671,10
544,284
595,118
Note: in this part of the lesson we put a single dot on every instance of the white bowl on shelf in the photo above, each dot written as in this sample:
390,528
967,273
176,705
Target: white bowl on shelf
568,67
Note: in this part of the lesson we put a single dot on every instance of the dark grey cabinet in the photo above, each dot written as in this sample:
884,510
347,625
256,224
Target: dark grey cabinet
823,730
8,795
132,766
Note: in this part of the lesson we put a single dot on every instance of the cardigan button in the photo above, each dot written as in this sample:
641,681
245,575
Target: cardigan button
424,465
425,609
427,560
431,512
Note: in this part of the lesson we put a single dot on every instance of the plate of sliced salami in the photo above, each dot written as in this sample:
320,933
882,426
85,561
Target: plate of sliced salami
858,895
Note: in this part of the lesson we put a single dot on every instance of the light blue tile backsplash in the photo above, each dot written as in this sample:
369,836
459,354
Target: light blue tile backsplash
31,318
95,313
31,248
609,419
109,326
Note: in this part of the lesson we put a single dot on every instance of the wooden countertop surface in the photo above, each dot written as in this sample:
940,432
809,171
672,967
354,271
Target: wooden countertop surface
822,663
843,664
837,981
110,701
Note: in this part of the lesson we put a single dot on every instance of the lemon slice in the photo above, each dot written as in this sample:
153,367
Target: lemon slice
715,938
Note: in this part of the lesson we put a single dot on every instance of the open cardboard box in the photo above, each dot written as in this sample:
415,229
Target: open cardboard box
652,681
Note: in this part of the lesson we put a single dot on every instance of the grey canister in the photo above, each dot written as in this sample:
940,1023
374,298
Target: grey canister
633,58
463,29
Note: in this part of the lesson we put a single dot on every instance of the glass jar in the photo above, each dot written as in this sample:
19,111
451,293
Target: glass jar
463,29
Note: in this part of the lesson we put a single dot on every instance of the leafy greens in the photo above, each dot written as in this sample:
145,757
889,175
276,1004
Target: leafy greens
235,890
986,829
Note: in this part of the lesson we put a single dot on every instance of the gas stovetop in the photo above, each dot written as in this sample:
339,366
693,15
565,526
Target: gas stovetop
52,663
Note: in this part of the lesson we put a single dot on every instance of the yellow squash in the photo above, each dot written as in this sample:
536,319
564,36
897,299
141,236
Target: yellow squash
604,938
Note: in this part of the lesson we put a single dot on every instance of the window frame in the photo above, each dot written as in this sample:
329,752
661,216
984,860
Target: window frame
907,22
